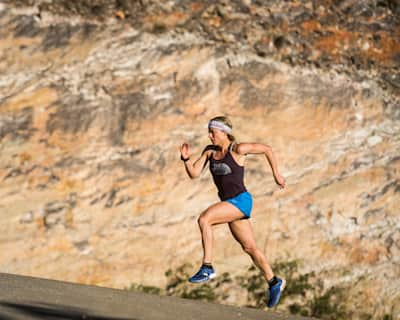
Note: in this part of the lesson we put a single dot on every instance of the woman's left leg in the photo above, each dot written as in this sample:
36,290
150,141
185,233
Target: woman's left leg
243,233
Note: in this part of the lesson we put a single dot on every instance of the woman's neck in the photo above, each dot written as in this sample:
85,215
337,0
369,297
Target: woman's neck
225,146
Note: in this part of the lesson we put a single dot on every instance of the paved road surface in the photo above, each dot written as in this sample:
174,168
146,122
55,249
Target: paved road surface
27,298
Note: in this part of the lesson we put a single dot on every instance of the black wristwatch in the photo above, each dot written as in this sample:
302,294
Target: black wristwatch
184,159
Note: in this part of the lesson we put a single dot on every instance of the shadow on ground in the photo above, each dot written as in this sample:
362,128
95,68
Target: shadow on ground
32,310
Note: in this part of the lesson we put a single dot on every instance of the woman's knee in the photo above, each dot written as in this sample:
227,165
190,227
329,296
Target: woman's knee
203,219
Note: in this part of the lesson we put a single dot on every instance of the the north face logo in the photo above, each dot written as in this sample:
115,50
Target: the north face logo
221,169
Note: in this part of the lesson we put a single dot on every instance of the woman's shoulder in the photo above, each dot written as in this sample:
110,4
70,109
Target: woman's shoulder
237,154
239,148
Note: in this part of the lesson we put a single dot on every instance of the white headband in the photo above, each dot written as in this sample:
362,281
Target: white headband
213,124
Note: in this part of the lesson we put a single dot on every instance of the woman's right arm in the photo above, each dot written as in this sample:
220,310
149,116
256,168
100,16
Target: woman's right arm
193,168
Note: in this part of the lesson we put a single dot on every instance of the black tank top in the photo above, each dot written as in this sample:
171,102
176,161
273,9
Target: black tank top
228,176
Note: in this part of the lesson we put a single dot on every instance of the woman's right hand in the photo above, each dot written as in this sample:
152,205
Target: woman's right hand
280,181
185,150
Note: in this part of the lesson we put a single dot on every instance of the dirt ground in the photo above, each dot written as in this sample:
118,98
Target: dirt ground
26,298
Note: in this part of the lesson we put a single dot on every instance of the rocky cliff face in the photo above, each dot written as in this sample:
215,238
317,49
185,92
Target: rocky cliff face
97,96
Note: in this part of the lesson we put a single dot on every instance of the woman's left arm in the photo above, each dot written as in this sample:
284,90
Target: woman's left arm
259,148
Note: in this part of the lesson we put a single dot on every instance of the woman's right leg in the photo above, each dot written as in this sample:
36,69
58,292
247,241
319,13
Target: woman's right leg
218,213
243,233
221,212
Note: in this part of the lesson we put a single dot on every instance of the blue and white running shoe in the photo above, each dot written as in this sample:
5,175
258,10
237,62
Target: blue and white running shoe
204,274
275,293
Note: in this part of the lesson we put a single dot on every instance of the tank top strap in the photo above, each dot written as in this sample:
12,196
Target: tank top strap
231,146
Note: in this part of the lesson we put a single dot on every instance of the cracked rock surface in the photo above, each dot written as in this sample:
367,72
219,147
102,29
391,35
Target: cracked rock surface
97,96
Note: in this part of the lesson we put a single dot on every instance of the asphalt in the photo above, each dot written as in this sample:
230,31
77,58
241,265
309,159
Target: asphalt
28,298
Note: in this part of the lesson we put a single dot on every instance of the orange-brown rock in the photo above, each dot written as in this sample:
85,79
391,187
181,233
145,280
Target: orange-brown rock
94,109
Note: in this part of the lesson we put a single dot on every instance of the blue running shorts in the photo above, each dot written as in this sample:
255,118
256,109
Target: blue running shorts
244,202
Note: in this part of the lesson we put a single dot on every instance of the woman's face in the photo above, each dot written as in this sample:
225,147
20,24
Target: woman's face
217,136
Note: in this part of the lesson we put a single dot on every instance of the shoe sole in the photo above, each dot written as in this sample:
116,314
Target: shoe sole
283,286
211,276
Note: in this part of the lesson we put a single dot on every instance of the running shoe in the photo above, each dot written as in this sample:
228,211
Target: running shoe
275,293
204,274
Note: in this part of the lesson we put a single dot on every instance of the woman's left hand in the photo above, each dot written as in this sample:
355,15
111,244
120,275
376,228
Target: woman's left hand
185,153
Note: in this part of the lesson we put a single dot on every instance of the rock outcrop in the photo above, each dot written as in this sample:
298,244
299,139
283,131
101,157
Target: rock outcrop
97,96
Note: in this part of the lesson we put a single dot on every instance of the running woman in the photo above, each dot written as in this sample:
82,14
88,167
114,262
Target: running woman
226,159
